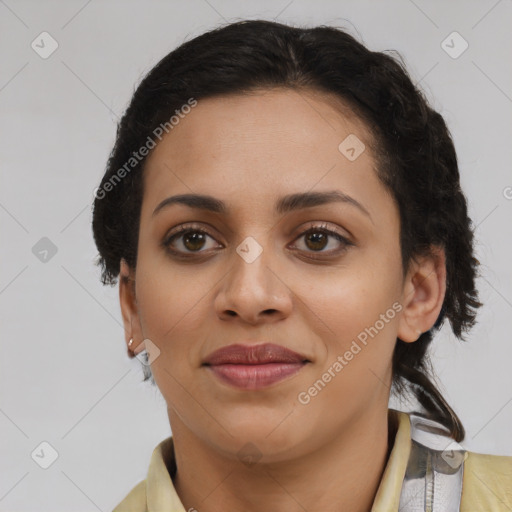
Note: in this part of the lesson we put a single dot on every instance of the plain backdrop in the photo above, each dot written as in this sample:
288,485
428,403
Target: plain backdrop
65,377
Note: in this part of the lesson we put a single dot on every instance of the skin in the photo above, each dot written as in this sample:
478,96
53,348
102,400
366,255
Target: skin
248,151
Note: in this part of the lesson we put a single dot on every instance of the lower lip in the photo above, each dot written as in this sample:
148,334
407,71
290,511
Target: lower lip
255,376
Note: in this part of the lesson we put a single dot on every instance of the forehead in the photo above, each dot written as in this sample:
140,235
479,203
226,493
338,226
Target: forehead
265,140
304,117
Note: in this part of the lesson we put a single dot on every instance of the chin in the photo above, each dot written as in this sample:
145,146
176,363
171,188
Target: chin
266,434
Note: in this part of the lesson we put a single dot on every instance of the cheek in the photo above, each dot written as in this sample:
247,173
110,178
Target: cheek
355,367
172,311
168,294
358,307
351,299
173,305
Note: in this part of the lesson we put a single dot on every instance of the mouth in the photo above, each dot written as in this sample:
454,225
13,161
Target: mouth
254,367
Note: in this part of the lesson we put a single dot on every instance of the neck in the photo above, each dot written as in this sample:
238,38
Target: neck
208,481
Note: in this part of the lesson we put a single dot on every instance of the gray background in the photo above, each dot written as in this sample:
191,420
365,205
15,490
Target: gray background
65,378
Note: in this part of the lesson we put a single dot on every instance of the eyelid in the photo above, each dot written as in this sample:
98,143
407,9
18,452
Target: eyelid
322,226
184,228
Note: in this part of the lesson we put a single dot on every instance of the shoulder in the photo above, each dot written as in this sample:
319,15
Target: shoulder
135,501
487,483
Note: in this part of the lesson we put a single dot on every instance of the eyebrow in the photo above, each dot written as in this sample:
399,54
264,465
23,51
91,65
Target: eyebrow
285,204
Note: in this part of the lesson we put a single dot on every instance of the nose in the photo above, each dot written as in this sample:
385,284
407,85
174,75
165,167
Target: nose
254,292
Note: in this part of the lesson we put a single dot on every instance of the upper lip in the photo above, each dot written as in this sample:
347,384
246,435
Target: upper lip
262,353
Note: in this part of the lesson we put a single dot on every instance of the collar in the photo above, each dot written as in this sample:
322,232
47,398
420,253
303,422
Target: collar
388,493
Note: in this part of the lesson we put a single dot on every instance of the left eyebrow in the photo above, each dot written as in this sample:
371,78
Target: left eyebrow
284,204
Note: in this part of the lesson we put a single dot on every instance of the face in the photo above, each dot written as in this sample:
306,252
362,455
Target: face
322,277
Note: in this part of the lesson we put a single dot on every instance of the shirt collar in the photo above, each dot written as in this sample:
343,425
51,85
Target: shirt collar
387,498
160,491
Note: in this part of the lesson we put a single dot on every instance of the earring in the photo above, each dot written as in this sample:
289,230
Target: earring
130,343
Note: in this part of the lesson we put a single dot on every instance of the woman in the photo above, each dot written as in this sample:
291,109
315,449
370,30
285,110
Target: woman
283,211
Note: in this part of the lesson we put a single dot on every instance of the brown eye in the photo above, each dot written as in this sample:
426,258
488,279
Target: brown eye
194,240
188,240
317,238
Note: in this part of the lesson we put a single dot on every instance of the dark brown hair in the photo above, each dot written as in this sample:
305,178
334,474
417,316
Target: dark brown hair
416,157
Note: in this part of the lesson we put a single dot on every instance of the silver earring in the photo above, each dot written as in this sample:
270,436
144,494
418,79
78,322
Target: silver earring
130,343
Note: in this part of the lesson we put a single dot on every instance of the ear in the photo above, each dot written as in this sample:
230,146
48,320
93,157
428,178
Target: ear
422,295
129,310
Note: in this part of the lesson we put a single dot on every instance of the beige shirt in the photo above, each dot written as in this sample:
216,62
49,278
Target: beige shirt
486,487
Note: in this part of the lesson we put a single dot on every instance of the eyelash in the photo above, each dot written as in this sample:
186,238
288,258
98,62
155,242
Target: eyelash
184,229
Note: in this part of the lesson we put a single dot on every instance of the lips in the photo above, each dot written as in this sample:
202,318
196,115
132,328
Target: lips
254,366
